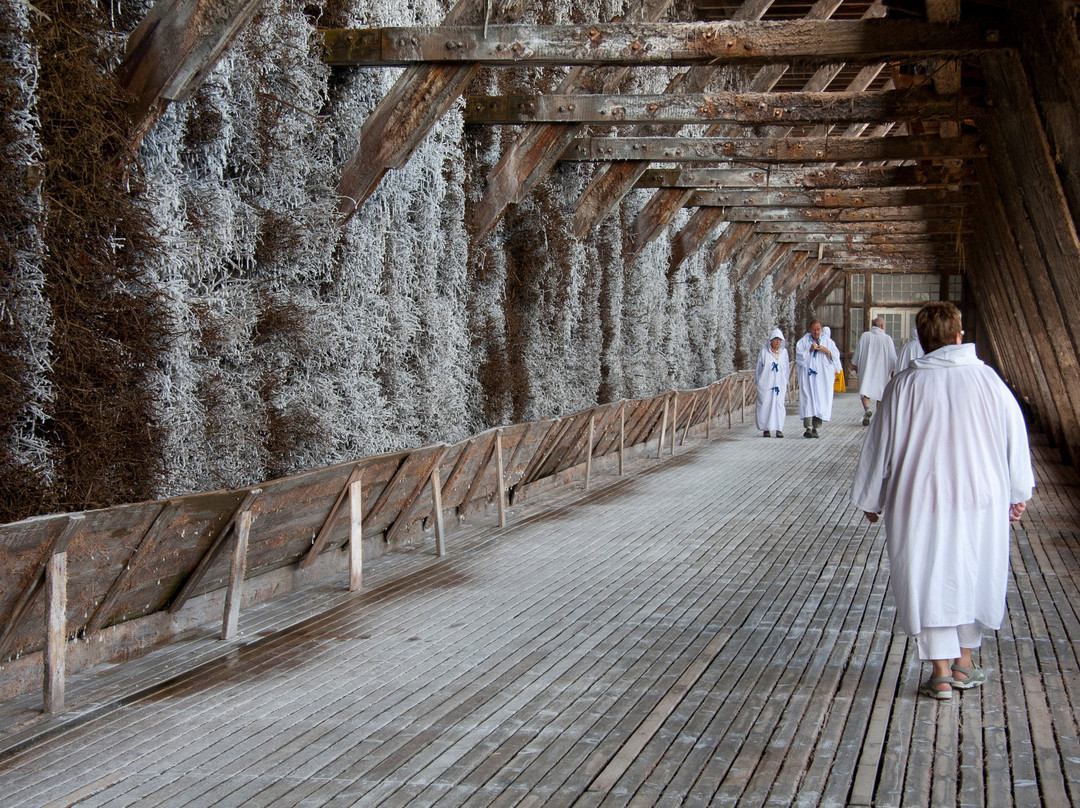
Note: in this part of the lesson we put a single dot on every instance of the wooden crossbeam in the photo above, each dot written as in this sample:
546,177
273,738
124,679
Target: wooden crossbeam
844,229
406,114
873,197
746,109
811,240
612,181
906,213
529,158
908,176
786,150
702,224
628,44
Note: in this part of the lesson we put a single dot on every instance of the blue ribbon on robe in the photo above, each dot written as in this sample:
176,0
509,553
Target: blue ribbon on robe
776,390
775,367
811,372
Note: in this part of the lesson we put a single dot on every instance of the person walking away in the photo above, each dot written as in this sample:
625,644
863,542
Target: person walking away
912,349
946,463
771,380
875,362
815,358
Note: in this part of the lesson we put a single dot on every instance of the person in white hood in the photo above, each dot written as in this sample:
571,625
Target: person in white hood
875,362
912,349
817,360
771,379
946,461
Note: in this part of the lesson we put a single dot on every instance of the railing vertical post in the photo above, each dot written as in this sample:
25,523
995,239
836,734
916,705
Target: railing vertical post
663,430
436,504
356,535
235,592
674,421
588,450
55,663
742,401
709,413
622,435
730,384
502,482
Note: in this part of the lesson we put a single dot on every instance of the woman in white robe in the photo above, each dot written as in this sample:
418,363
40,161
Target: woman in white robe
771,379
946,462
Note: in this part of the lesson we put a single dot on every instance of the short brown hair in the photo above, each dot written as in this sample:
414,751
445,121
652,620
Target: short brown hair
938,323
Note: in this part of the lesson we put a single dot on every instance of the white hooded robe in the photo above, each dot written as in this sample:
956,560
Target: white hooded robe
771,379
817,377
943,459
912,349
875,361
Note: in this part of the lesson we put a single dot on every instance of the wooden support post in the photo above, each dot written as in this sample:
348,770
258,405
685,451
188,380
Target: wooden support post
730,382
589,449
663,430
674,421
709,412
622,435
436,506
501,476
356,535
742,401
55,661
235,592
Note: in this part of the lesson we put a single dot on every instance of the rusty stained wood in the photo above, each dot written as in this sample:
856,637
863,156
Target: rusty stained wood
895,213
747,109
730,242
631,44
423,479
656,214
536,150
173,49
786,150
780,254
419,97
839,178
324,532
797,271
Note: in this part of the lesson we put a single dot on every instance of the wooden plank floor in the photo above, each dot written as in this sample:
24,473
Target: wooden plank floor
713,629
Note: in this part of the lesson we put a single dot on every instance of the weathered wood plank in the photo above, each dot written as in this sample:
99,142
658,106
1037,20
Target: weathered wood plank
748,109
55,656
872,197
667,44
787,150
842,177
173,49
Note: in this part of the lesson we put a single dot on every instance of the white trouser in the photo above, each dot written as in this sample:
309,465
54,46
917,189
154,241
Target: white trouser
946,642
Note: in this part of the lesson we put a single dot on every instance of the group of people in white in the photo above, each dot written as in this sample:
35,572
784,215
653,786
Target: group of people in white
945,464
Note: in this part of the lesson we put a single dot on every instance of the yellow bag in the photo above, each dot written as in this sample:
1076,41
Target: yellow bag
838,385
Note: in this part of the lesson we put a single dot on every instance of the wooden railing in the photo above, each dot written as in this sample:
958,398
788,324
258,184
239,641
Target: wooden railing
75,575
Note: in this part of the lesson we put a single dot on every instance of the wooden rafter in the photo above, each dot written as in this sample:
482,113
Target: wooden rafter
907,176
417,100
173,49
746,109
670,44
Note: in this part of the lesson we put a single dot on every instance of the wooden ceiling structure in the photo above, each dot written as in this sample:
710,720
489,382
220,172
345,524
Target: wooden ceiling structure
868,135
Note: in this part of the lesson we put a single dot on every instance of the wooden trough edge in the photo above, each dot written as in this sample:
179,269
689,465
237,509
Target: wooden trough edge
170,553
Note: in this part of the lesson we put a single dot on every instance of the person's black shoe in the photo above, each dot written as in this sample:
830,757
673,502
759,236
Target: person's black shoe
779,434
808,433
814,434
767,434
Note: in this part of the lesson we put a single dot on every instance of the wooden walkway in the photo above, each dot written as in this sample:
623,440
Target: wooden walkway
712,629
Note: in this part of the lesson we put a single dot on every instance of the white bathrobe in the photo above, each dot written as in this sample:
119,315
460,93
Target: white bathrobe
912,349
771,379
943,459
875,361
817,375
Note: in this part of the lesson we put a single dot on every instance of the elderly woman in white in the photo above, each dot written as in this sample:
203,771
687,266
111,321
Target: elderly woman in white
771,378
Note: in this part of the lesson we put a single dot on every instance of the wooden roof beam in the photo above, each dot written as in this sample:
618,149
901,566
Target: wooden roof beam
787,150
806,229
538,148
634,44
872,197
905,213
406,114
908,176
